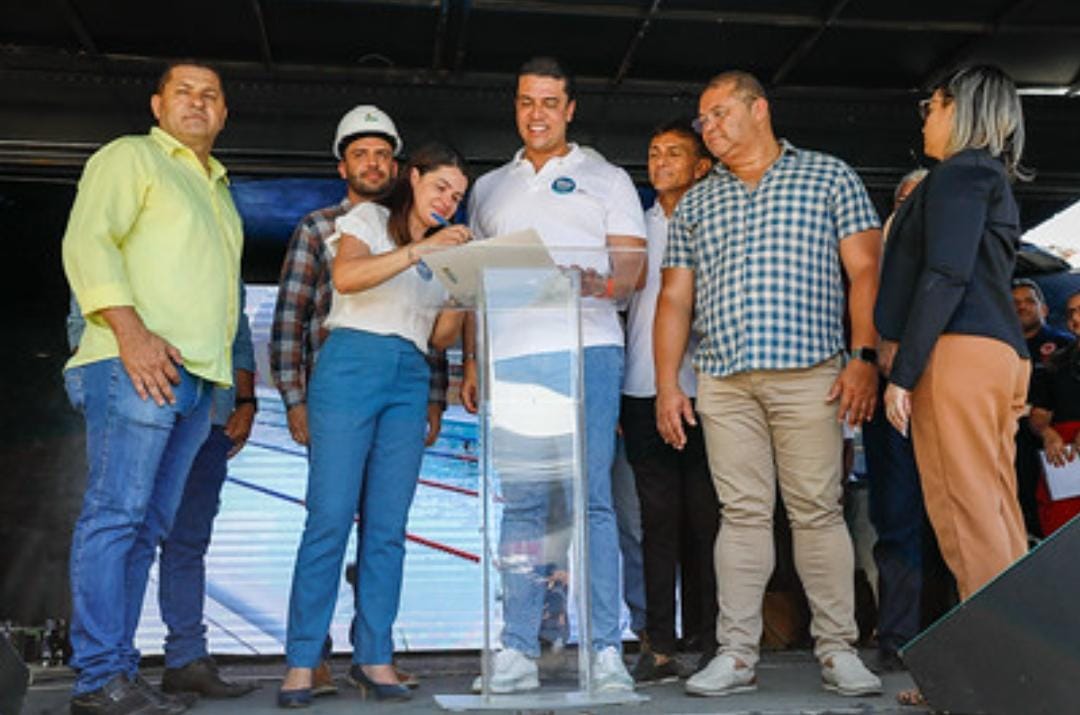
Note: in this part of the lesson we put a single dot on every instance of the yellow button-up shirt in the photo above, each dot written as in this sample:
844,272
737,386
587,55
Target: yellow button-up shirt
152,229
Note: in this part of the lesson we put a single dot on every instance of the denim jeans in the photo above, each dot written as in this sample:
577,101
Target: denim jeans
367,414
182,571
138,456
536,509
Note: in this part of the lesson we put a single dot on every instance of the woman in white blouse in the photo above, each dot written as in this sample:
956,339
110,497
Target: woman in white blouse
367,408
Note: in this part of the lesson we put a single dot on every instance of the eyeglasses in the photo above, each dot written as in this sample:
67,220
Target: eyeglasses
714,115
926,105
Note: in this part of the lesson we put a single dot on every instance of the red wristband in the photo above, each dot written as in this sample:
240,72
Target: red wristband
609,288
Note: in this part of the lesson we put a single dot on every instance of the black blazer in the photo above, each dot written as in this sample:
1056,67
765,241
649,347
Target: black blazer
949,261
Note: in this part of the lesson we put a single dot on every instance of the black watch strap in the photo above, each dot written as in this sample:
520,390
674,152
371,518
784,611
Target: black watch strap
865,354
247,401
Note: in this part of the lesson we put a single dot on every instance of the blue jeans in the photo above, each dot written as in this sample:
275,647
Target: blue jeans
367,416
535,508
628,519
182,571
138,456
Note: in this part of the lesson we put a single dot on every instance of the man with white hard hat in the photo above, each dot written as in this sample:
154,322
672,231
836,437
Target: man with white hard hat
366,145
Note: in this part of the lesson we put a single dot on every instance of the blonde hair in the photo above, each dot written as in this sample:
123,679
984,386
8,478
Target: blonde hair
987,115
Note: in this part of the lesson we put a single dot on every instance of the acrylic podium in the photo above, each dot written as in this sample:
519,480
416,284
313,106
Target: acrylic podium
535,561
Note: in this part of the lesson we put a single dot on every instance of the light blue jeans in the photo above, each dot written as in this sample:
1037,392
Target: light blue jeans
367,416
538,510
138,456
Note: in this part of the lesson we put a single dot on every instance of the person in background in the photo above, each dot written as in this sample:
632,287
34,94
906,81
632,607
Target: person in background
1043,340
158,339
674,486
1055,419
367,418
896,510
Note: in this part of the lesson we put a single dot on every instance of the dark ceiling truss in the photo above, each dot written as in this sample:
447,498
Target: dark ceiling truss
440,35
628,58
956,56
263,36
804,47
774,19
75,23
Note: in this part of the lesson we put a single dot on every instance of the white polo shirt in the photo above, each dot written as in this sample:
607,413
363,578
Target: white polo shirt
576,201
405,305
640,378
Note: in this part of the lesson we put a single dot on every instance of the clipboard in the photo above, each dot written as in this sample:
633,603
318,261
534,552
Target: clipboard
1062,482
459,268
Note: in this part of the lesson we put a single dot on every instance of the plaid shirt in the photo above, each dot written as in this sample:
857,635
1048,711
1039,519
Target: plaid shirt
304,294
768,284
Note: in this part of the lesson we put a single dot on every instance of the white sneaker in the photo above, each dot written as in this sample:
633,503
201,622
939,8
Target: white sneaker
511,672
842,672
721,677
609,672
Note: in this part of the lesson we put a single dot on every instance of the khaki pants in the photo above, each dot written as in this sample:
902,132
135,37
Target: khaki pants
964,413
764,428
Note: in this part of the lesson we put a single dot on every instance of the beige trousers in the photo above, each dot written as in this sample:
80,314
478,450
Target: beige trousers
964,413
764,428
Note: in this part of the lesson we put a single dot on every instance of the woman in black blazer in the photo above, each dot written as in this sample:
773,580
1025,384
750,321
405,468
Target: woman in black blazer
953,349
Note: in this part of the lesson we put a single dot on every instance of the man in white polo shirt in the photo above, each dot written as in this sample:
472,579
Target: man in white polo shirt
573,198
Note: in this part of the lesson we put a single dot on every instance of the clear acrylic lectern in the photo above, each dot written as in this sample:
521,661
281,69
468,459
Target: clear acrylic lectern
536,560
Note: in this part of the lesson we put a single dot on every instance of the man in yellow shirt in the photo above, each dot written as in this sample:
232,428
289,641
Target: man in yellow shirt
152,253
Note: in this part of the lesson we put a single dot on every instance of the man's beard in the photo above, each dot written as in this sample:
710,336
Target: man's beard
366,191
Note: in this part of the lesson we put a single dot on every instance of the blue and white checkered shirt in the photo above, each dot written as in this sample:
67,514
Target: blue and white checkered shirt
769,291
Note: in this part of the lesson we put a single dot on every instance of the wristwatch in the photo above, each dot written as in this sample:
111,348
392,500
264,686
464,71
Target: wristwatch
865,354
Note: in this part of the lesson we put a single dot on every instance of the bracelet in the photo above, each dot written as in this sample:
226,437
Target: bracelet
468,356
609,287
247,401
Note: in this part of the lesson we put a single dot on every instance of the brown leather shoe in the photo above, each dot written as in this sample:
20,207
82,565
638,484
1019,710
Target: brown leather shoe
409,680
322,680
201,676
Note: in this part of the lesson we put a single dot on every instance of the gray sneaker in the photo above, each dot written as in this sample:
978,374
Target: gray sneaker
842,672
609,672
722,677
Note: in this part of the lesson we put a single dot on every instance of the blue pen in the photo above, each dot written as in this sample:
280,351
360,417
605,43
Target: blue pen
421,267
440,219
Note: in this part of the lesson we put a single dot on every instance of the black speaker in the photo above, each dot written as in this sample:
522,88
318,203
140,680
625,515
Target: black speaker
14,677
1013,648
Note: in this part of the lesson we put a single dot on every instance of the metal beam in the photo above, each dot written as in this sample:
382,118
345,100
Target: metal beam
462,35
628,58
440,35
796,56
957,55
772,19
264,37
76,24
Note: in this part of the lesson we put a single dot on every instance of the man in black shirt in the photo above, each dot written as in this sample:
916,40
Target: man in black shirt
1042,341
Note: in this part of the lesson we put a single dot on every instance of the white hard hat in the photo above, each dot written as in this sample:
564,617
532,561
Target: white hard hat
366,119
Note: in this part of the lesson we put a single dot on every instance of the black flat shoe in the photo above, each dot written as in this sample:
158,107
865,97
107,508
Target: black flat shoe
201,677
383,691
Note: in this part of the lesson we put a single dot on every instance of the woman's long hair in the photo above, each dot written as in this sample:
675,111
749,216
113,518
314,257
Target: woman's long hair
429,157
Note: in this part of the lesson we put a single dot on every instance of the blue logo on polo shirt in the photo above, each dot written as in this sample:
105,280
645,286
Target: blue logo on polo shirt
563,185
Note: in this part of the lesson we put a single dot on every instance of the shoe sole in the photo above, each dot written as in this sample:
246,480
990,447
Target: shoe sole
657,681
705,693
852,692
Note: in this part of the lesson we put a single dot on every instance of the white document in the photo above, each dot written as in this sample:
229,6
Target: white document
460,268
1064,482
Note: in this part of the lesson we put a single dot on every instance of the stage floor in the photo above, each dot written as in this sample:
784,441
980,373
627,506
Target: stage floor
788,684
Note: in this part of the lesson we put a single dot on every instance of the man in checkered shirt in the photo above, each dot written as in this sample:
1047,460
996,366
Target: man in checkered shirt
366,145
755,257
